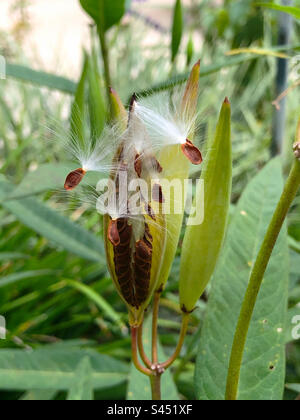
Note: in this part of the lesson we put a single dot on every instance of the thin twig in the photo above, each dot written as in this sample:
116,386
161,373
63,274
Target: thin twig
141,349
154,327
184,328
135,357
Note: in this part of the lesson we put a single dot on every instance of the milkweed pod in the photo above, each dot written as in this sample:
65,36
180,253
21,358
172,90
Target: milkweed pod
202,243
135,265
177,166
135,243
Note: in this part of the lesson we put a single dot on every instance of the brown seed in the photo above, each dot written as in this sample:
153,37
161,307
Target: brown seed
113,232
138,165
192,152
74,178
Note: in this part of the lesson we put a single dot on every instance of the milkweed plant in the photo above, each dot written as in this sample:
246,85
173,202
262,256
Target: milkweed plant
144,156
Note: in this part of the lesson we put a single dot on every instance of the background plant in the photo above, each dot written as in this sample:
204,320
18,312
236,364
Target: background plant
55,290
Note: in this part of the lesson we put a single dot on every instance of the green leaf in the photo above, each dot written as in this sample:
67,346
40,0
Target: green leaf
16,277
40,78
204,238
177,29
96,101
78,106
139,384
82,389
100,302
39,395
113,11
53,225
293,387
293,11
263,369
53,176
56,369
7,256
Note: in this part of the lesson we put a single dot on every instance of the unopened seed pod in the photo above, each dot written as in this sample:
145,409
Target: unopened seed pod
203,242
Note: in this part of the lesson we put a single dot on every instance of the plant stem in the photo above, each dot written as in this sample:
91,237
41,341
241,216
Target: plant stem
135,356
154,327
155,381
288,195
141,349
105,55
184,327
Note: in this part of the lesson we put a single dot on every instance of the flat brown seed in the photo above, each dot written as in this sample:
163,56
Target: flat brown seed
138,165
74,178
113,233
192,152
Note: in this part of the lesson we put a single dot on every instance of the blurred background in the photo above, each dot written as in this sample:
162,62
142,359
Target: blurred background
55,292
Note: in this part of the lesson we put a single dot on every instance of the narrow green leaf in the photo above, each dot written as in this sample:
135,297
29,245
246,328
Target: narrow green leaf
113,11
263,369
82,389
7,256
40,78
100,302
177,29
139,385
293,387
16,277
39,395
96,101
53,176
53,225
78,106
293,11
206,229
55,369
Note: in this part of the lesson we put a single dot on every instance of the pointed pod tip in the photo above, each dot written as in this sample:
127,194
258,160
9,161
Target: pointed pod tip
133,101
198,64
226,101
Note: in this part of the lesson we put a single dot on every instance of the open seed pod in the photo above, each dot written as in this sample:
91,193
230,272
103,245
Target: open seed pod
135,240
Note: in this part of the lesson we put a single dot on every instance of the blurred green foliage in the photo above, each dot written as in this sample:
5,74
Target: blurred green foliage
48,290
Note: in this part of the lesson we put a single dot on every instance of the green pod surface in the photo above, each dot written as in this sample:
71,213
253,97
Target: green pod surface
178,169
202,243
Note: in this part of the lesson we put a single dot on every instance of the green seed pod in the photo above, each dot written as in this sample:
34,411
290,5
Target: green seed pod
178,166
202,243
